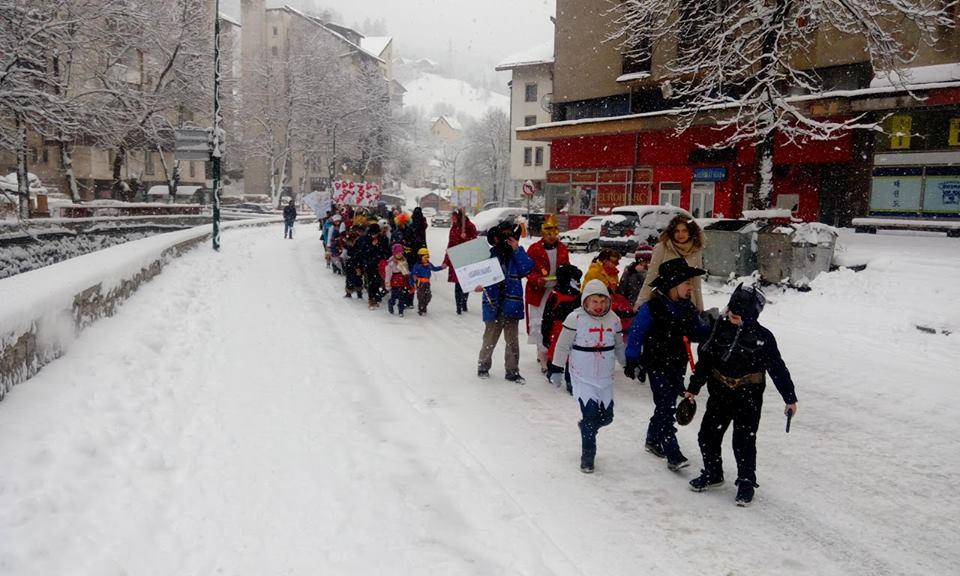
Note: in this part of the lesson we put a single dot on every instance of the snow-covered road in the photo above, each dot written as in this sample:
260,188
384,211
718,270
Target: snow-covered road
239,417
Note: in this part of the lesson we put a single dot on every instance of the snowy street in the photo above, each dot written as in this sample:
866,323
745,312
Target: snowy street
238,416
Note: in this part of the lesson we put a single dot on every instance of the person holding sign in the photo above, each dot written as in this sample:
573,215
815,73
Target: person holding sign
548,254
503,301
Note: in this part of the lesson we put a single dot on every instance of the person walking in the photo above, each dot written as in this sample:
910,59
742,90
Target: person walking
681,239
590,345
548,254
503,302
655,347
461,230
289,217
733,364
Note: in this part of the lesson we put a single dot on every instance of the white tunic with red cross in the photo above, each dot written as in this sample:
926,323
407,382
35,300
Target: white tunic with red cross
592,345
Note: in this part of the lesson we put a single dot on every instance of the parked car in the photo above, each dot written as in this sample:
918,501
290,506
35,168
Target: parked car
638,224
487,219
251,207
586,236
441,220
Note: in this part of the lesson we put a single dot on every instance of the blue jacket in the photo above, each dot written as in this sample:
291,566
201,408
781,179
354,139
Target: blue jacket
506,298
420,270
656,335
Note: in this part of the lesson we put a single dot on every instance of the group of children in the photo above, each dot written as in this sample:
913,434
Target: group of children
379,258
587,329
585,338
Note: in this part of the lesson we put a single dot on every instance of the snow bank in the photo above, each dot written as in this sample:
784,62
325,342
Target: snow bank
42,310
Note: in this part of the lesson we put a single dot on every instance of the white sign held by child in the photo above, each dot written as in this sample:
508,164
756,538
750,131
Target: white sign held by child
485,273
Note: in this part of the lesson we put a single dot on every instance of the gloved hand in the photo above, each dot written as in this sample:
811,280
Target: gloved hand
555,374
633,370
710,316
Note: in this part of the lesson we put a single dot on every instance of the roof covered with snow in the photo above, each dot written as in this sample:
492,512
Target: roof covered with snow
329,29
429,89
450,120
375,44
918,75
540,54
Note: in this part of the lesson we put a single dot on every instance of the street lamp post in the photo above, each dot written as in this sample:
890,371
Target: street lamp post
217,151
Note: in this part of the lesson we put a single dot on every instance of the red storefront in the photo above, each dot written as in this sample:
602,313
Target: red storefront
594,173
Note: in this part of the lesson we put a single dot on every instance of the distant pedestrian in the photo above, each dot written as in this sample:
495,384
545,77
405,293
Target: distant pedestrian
289,217
420,275
503,302
733,364
461,230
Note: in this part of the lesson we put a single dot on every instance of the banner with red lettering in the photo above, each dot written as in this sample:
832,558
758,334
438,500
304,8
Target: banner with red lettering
356,193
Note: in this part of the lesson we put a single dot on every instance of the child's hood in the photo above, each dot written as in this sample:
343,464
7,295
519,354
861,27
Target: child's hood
595,288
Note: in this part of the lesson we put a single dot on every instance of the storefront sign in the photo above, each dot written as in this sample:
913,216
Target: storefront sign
900,127
709,174
954,138
610,196
558,177
896,190
942,191
584,176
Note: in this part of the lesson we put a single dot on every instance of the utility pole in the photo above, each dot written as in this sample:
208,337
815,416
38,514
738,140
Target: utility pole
216,135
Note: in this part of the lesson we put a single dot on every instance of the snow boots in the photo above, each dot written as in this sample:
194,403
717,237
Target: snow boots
745,490
705,482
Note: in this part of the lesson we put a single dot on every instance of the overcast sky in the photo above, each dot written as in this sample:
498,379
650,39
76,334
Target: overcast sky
482,32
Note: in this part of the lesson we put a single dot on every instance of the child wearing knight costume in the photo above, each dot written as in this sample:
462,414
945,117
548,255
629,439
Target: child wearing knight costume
591,342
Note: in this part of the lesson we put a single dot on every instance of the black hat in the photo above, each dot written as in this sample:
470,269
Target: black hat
673,272
686,410
747,302
373,229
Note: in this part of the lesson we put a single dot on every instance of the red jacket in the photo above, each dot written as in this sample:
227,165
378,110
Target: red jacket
458,235
535,280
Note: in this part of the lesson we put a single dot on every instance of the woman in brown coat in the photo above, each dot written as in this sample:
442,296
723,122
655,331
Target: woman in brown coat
682,239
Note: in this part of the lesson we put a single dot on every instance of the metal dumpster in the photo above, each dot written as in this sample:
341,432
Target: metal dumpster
729,249
795,254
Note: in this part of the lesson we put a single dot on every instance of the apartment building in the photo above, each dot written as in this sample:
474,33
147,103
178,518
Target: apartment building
613,141
531,94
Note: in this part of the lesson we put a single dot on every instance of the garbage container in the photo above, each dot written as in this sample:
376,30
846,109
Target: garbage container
795,253
729,248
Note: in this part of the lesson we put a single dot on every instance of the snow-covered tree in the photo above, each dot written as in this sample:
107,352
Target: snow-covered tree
743,62
487,154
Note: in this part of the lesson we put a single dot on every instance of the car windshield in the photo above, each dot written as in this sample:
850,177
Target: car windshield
592,224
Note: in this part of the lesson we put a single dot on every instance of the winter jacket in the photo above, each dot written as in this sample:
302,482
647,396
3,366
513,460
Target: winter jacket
397,273
459,233
631,282
537,280
369,255
656,335
591,345
289,214
663,251
735,352
421,272
597,271
506,298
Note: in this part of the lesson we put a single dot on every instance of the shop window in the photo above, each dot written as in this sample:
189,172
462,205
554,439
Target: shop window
538,156
701,199
670,193
747,196
529,120
530,92
527,156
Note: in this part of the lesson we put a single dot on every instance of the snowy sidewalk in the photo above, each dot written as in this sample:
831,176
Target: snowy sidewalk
238,416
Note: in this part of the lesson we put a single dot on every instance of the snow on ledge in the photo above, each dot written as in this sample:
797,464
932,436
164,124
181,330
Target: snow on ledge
771,213
633,76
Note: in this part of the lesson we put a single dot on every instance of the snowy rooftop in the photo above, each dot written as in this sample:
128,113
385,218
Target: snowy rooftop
428,89
375,44
541,54
450,120
918,75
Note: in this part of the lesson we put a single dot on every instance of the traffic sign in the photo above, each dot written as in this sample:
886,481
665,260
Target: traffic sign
529,189
193,144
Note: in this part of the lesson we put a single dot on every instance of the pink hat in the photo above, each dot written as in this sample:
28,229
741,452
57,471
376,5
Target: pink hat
397,249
